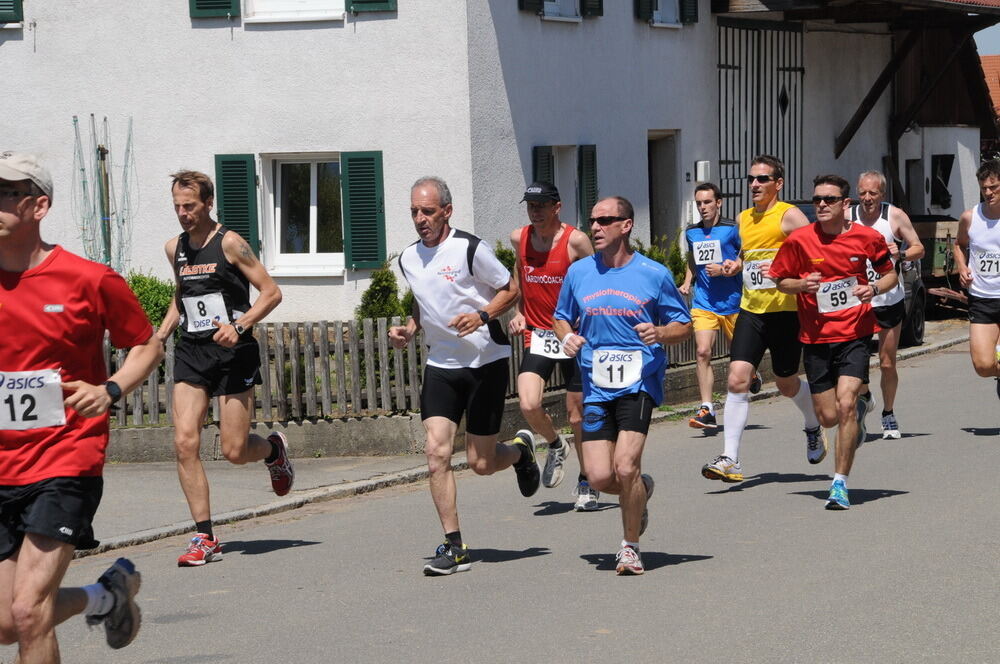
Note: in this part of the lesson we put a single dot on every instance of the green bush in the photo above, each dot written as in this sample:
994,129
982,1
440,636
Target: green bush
506,255
406,304
154,295
381,298
670,256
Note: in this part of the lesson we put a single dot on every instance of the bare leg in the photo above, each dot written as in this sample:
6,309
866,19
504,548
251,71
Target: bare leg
190,407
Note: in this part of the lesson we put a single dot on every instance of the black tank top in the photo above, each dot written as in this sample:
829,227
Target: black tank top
208,287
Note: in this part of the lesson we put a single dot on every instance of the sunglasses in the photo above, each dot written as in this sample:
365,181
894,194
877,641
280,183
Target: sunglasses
763,179
13,193
604,221
829,200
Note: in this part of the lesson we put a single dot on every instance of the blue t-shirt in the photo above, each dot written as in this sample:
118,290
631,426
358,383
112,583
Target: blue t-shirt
609,303
720,295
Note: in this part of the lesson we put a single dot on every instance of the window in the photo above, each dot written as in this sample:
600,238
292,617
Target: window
274,11
573,170
563,10
941,165
11,11
214,8
667,12
560,8
307,214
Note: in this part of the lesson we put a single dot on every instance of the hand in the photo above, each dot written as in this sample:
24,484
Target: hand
965,277
516,324
86,399
399,336
647,333
466,324
730,267
572,344
894,251
225,335
685,288
811,284
864,292
714,270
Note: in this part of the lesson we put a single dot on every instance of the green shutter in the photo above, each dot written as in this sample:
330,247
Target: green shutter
688,11
356,6
11,11
364,209
543,164
214,8
536,6
586,180
644,9
236,195
591,8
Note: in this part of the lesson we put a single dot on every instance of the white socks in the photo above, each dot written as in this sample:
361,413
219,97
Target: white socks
711,408
841,478
99,600
734,420
803,401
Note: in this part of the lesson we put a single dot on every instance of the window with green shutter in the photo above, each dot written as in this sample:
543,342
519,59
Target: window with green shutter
357,6
644,9
591,8
11,11
586,181
688,11
535,6
236,195
543,164
364,209
213,8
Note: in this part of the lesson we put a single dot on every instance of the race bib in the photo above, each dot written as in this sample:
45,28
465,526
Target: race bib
988,263
31,400
754,277
707,251
837,295
544,343
201,310
615,369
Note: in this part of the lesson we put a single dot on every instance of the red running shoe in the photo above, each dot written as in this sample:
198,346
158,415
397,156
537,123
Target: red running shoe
202,549
282,473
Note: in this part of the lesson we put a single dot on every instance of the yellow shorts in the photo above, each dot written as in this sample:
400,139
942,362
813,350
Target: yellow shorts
707,320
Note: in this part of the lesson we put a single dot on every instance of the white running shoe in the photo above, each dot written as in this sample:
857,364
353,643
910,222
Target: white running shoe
553,473
587,496
890,428
815,444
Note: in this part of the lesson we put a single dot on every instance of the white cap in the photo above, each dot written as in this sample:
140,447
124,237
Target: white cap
16,166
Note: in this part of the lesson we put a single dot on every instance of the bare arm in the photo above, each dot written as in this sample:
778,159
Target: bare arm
504,299
579,245
792,219
172,317
238,253
516,324
93,400
400,335
962,249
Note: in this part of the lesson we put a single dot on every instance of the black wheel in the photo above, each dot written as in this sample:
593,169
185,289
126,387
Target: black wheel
912,332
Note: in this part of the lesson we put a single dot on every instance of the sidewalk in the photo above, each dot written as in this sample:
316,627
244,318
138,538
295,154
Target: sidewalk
143,501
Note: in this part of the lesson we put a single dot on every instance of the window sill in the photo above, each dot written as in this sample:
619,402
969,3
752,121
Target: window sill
307,271
669,26
562,19
18,25
295,18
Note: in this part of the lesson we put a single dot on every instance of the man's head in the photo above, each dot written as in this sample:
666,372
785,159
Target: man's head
708,198
25,193
193,194
830,196
989,181
543,202
871,191
611,221
766,178
430,209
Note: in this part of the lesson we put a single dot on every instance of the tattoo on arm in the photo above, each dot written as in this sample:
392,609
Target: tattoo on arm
246,253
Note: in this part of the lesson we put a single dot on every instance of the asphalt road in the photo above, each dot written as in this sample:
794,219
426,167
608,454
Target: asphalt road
757,572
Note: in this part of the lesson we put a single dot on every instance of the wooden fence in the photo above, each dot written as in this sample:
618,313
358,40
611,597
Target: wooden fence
329,369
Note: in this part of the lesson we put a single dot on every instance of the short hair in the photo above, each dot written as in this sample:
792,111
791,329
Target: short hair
625,208
876,175
710,186
835,180
194,180
777,168
444,193
989,169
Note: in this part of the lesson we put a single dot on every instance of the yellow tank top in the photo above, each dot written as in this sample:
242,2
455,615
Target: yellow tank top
761,236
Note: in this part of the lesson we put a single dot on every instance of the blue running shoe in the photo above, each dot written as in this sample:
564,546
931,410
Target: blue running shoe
838,497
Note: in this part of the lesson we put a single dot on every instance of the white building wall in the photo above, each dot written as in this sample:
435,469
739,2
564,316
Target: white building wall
963,142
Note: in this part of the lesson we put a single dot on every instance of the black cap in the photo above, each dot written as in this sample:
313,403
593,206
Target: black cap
541,192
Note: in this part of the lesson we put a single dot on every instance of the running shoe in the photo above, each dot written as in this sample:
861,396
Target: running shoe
647,481
528,477
755,383
448,561
121,624
586,497
864,406
552,475
202,549
815,444
723,468
282,473
838,497
890,427
703,420
629,562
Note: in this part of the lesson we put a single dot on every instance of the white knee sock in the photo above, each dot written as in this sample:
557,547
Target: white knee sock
99,600
803,400
734,419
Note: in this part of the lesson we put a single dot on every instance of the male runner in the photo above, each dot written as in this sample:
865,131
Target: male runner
825,266
890,309
544,250
54,399
459,289
717,296
978,263
767,320
217,355
628,309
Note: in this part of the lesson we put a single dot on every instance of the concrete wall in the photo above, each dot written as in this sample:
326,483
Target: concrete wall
963,142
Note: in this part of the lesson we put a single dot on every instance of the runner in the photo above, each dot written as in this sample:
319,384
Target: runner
459,289
544,249
54,399
767,320
628,309
717,296
825,266
217,355
978,265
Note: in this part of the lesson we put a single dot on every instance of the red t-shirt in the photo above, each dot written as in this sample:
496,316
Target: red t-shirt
53,318
541,278
833,314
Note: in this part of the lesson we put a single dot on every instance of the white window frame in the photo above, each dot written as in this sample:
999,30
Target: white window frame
284,11
279,264
661,18
562,10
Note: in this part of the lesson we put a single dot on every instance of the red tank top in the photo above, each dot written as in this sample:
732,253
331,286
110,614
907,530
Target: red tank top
541,278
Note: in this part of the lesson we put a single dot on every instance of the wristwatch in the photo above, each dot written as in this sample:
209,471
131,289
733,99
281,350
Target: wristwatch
239,329
114,391
485,317
874,289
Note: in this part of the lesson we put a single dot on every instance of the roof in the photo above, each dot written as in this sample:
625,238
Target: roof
991,72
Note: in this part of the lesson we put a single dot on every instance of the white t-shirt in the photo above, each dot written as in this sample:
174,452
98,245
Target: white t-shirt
883,226
444,287
984,255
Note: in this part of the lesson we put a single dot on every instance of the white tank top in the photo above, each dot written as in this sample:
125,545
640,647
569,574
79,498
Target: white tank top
883,226
984,255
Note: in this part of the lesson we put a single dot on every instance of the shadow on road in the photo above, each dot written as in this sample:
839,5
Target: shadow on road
650,559
551,507
257,547
770,478
504,555
976,431
856,496
191,659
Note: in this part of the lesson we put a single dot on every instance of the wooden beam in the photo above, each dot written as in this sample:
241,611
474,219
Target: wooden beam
880,85
746,6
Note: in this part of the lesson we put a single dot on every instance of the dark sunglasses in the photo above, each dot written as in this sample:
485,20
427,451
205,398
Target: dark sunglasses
13,193
604,221
763,179
829,200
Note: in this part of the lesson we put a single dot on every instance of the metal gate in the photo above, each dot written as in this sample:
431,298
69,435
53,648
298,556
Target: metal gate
760,104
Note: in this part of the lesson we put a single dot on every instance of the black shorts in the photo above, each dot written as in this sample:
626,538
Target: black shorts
477,392
825,363
61,508
219,370
776,331
984,310
890,316
605,419
543,366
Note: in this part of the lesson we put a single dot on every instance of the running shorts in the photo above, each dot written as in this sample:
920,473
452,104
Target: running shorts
220,370
605,419
476,392
543,366
890,316
60,508
702,319
984,310
825,363
777,331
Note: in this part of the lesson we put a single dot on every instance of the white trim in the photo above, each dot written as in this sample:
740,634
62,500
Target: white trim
562,19
671,26
309,271
336,10
16,25
287,18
